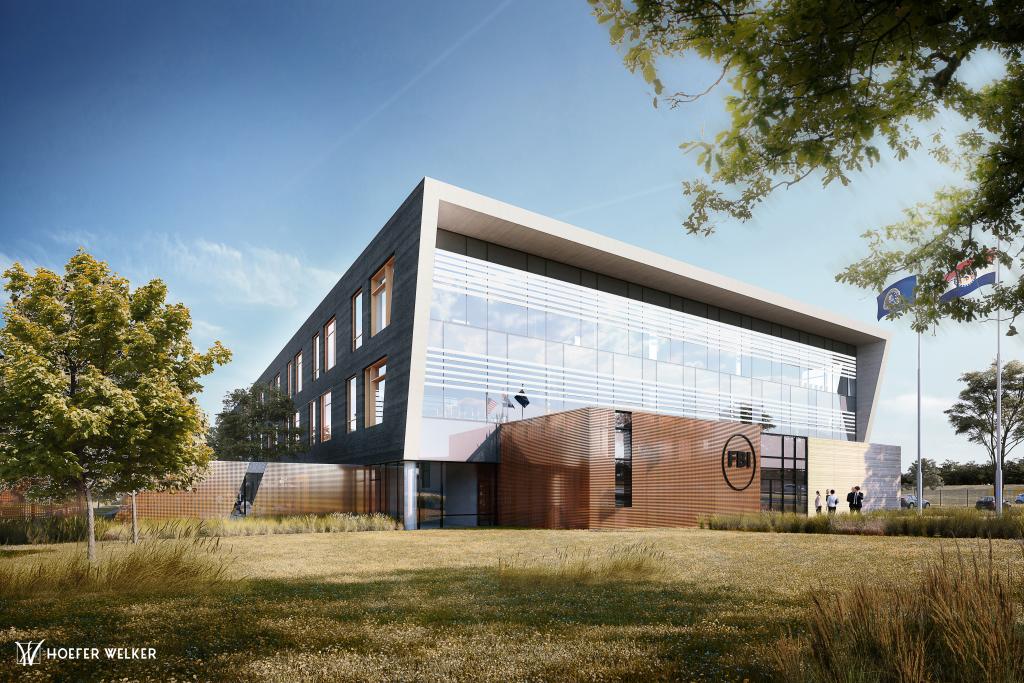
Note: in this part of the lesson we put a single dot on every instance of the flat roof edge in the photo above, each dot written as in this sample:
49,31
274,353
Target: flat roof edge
492,220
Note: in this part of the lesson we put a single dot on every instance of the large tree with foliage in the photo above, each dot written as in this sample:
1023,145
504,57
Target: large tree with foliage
974,415
256,423
820,88
98,385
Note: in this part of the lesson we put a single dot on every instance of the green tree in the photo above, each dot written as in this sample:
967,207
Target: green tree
256,423
97,386
932,478
974,415
822,88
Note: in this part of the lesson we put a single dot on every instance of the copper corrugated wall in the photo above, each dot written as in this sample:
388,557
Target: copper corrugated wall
544,476
14,504
214,496
558,471
289,488
284,489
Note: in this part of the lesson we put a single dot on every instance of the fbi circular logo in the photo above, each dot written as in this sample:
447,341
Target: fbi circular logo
739,462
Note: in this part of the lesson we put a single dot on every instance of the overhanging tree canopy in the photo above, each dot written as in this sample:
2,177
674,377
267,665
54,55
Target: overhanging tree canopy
822,87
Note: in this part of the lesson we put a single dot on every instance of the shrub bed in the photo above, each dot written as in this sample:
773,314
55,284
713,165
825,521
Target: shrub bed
955,523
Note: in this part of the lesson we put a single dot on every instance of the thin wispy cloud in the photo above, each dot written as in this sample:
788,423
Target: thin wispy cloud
205,330
619,200
247,275
75,238
347,135
906,404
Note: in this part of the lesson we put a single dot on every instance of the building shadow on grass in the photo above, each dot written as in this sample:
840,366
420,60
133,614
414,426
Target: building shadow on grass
431,624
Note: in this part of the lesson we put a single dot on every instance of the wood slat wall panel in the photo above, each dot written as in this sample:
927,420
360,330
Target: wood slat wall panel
543,480
677,471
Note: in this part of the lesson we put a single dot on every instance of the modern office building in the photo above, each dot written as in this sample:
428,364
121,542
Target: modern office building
483,364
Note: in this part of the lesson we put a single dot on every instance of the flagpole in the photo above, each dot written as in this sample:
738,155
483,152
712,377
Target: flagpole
998,450
920,473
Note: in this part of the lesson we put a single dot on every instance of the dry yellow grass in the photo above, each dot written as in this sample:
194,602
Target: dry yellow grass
432,606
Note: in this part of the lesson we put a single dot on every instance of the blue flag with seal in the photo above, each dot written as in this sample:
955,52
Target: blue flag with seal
896,296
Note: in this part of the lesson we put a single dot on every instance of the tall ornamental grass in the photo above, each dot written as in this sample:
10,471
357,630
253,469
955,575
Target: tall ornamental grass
152,566
69,529
957,523
958,623
573,565
57,529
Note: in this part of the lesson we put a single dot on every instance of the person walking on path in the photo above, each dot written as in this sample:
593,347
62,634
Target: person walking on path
817,502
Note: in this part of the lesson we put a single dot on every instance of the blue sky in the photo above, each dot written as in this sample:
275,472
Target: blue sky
246,152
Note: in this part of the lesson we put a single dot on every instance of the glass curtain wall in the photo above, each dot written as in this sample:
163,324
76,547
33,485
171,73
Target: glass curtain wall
497,331
456,494
784,473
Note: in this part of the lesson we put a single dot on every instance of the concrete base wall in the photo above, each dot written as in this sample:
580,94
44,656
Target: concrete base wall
841,465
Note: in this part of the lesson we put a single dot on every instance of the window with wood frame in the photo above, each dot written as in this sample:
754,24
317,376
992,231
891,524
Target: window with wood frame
380,297
350,391
325,417
330,343
357,320
312,423
373,385
316,356
298,372
290,378
277,381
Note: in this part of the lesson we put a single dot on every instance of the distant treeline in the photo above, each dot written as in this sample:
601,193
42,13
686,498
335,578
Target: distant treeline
953,473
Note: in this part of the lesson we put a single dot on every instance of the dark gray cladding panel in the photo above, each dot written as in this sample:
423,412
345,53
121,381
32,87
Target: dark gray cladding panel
400,237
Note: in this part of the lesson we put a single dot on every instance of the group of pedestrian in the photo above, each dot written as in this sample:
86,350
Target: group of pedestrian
855,499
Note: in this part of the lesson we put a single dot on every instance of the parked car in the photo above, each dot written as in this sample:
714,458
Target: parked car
989,503
911,502
1019,500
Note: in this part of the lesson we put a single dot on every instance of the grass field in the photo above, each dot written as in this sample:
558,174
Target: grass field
433,605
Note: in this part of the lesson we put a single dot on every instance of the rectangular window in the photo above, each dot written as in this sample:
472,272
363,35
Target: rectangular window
380,297
350,390
298,372
357,320
373,385
623,459
296,434
316,356
325,417
290,377
330,343
277,381
312,423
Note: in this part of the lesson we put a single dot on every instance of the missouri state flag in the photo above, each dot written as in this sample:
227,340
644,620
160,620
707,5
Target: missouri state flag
896,296
962,281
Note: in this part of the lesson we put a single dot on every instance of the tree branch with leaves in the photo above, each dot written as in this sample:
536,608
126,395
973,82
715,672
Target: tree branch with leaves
821,88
